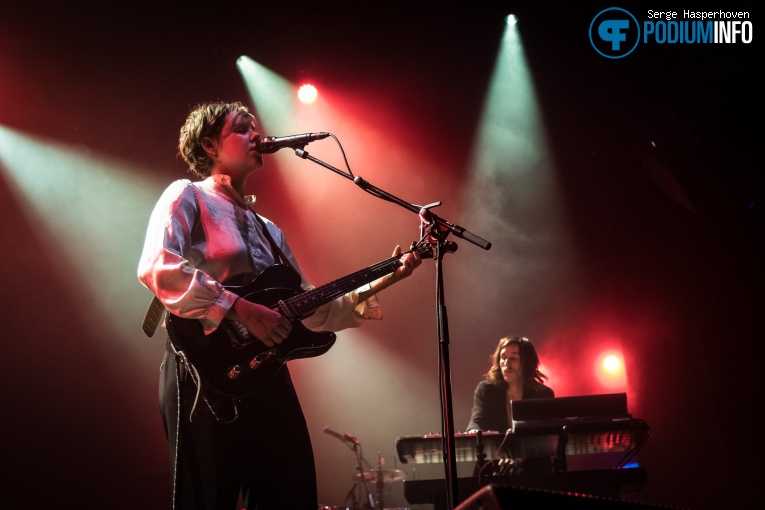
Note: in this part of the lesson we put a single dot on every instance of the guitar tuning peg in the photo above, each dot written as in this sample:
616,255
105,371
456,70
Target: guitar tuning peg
450,246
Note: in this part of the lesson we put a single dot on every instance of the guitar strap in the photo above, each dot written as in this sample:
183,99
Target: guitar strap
153,317
277,253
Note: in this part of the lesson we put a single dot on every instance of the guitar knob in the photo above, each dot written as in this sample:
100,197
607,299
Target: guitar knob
262,358
234,372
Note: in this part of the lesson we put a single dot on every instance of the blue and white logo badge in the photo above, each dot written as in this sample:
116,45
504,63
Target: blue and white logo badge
614,32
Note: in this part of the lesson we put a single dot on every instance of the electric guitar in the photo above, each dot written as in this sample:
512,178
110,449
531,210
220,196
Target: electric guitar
234,363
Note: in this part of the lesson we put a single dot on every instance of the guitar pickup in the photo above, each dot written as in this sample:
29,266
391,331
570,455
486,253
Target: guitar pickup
237,334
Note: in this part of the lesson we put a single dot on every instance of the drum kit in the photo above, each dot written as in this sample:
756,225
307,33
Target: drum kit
375,485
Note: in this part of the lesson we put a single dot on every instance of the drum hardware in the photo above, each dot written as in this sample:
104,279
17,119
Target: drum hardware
374,483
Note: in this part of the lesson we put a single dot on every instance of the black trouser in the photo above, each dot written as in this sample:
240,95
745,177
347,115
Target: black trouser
265,452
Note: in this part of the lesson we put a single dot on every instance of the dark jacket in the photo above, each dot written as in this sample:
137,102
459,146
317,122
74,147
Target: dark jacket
490,405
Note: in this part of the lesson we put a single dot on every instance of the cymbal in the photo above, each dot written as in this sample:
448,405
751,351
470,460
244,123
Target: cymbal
384,475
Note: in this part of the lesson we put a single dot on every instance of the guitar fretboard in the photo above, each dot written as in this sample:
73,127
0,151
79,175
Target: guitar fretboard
301,305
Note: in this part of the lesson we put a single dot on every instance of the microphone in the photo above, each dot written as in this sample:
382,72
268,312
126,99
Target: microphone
271,144
342,437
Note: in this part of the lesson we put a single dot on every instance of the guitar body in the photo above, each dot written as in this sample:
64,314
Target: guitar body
229,360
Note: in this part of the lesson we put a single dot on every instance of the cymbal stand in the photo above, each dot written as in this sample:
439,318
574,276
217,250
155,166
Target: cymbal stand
360,461
380,482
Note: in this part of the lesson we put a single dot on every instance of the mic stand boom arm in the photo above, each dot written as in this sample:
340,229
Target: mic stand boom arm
442,224
437,229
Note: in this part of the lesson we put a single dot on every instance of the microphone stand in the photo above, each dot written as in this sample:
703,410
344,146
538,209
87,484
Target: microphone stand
438,229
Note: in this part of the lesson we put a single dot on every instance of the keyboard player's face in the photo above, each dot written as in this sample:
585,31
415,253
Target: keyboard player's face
510,363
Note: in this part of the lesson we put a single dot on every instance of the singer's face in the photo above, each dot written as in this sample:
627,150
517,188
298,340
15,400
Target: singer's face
237,152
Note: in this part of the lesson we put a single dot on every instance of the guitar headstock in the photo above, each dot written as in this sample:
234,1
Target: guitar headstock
425,248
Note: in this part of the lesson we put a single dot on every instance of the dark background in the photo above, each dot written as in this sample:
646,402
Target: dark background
665,237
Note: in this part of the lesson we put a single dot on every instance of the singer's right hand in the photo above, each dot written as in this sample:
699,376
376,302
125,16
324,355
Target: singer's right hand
268,326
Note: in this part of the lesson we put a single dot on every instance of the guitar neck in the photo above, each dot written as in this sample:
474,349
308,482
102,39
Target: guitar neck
301,305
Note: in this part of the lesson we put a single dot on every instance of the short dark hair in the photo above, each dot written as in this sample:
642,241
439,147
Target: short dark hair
529,362
206,120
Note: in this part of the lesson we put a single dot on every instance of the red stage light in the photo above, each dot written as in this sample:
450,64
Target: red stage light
611,363
610,370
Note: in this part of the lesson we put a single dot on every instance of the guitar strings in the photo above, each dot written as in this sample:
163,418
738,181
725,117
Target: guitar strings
301,304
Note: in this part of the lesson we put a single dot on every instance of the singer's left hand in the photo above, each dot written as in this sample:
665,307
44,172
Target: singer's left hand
410,262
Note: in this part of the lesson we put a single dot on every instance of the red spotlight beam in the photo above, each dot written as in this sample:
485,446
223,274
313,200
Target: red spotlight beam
437,229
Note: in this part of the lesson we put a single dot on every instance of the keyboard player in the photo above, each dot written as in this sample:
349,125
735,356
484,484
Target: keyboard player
514,375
